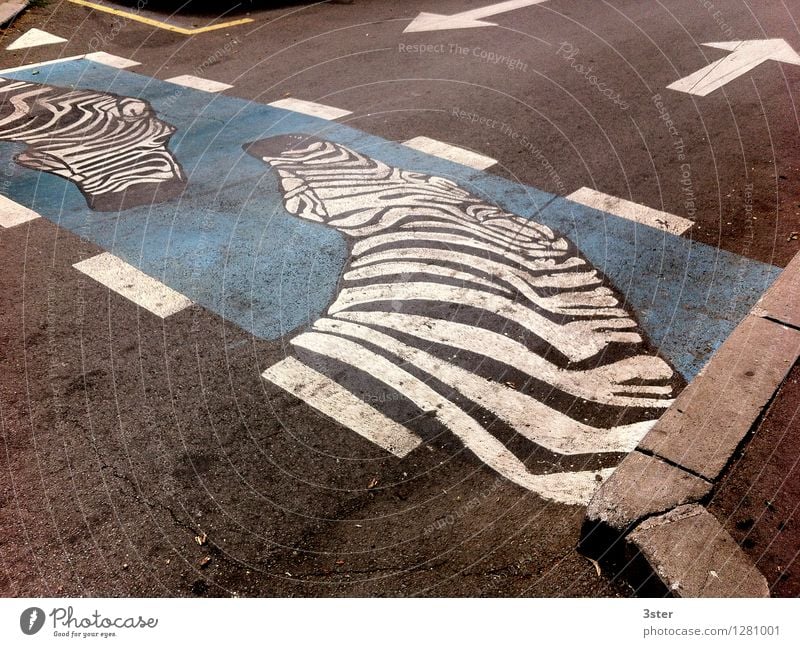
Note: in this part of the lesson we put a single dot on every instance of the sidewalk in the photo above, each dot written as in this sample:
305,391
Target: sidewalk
706,506
758,500
10,10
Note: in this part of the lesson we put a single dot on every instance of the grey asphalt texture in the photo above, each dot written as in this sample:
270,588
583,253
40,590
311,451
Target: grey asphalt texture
148,458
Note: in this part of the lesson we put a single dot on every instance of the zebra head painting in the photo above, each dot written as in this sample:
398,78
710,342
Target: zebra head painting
114,149
456,317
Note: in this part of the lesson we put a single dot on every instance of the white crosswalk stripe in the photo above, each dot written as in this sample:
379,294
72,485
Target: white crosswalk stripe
631,210
133,284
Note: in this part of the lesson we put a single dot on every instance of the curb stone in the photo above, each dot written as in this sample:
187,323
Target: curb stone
712,416
647,522
10,10
716,567
780,302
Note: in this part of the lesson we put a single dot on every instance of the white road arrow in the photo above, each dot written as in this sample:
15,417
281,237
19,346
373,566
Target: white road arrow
744,56
466,19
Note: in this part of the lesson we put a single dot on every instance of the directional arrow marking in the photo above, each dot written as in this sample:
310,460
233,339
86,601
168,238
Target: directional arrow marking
466,19
744,56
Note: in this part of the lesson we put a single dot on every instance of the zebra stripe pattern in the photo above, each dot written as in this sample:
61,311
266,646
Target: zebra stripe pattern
113,148
467,315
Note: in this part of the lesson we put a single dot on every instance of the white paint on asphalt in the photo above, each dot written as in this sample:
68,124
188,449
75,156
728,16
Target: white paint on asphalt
564,487
35,38
745,55
466,19
578,340
104,58
533,419
113,148
133,284
631,210
198,83
31,66
339,404
436,325
12,213
450,152
608,384
310,108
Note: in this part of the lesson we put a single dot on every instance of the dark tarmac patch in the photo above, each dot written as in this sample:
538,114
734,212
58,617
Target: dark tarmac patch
125,437
107,478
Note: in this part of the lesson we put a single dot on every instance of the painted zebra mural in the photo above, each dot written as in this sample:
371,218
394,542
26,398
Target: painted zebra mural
455,315
113,148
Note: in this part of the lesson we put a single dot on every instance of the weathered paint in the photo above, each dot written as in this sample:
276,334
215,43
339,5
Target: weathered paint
229,245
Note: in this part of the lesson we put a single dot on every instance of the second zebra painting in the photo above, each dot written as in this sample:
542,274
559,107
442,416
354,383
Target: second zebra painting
455,314
113,148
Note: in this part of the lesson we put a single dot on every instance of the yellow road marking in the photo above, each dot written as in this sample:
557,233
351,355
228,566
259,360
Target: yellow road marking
157,23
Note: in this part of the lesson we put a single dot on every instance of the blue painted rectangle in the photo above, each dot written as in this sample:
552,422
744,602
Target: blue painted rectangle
229,245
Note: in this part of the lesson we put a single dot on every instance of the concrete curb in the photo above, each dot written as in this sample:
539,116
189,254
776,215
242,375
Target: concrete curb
10,10
647,522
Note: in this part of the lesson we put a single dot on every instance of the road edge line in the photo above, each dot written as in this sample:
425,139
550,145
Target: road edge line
158,24
667,482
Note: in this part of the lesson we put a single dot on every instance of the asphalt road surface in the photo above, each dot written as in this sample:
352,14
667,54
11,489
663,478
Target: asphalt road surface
298,357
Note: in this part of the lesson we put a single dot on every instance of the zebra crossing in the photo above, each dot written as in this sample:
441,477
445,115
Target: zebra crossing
310,108
133,284
626,209
412,308
469,287
453,153
191,81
